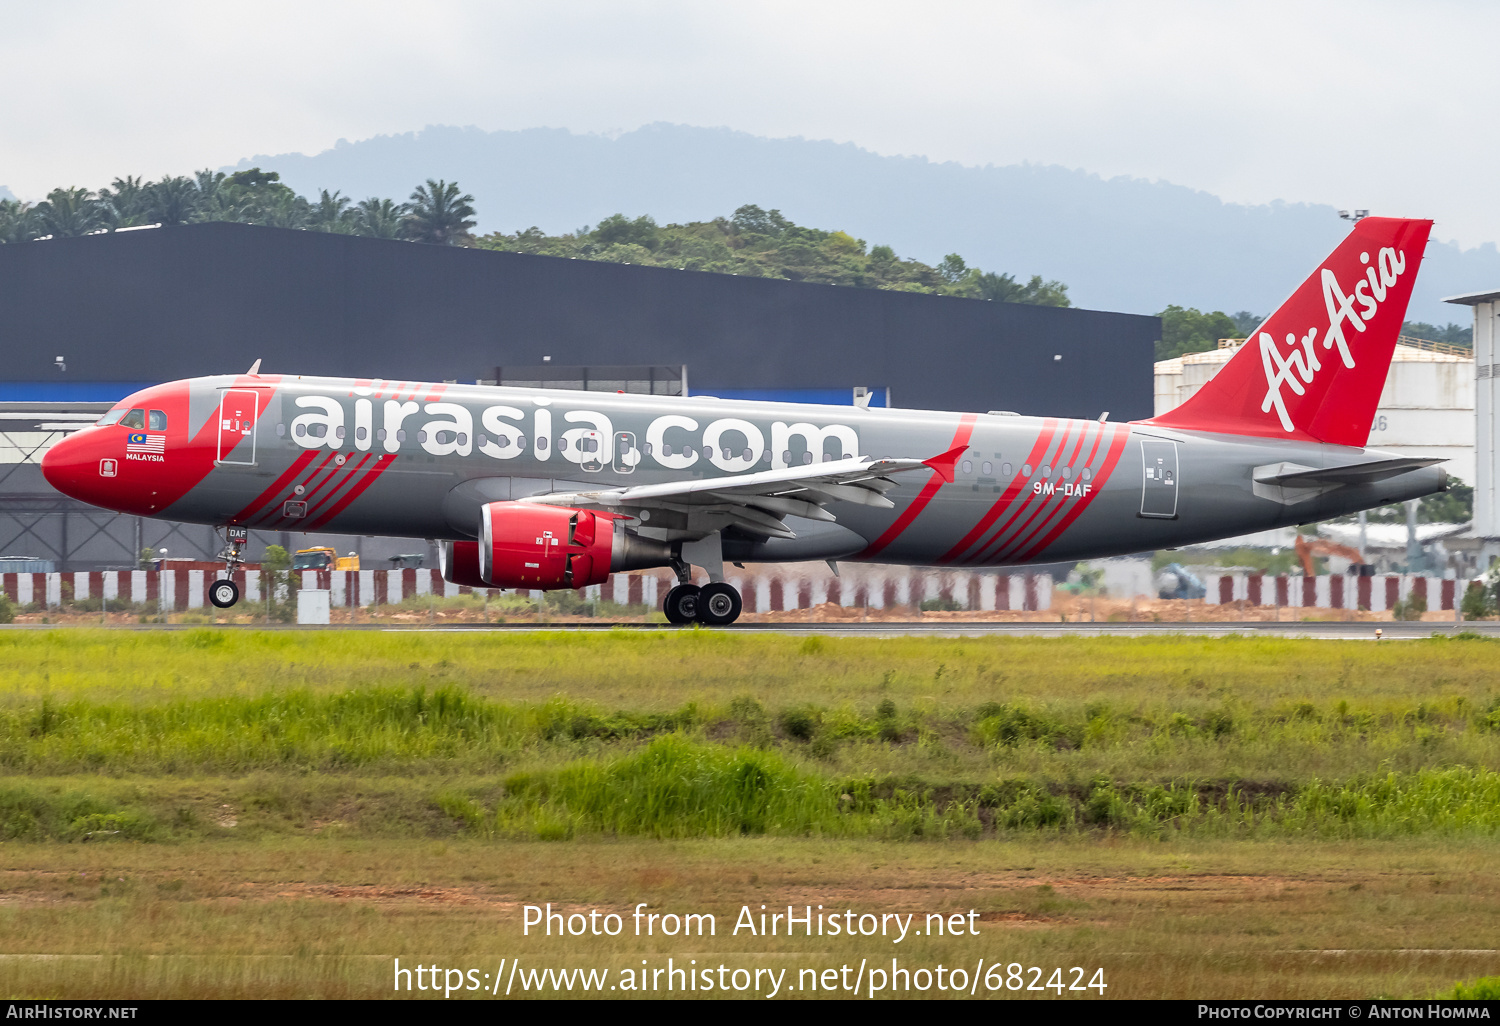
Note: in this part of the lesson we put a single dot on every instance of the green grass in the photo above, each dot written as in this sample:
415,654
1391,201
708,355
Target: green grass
679,734
1486,988
213,813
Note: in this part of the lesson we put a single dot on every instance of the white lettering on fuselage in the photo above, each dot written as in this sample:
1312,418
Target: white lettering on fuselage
1298,367
1066,488
672,441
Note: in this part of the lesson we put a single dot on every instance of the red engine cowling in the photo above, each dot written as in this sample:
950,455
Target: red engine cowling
522,545
459,561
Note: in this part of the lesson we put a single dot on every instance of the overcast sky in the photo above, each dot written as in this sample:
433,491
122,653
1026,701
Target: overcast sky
1379,105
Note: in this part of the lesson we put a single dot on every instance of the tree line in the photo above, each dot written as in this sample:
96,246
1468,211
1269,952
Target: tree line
1187,330
765,244
752,241
437,212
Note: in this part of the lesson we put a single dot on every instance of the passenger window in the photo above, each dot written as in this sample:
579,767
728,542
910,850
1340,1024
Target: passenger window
646,448
968,466
520,441
562,444
749,455
1087,473
360,433
301,430
1067,472
1026,470
807,457
463,439
339,431
1005,470
134,419
541,443
986,468
1046,473
158,421
280,430
708,452
786,457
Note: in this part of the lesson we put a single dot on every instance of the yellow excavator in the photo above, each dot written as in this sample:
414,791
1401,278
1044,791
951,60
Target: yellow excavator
1307,549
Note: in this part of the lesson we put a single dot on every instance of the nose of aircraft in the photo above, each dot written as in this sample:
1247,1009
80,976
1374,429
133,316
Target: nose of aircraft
82,466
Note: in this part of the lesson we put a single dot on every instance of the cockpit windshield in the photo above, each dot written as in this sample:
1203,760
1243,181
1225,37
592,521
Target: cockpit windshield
134,419
112,417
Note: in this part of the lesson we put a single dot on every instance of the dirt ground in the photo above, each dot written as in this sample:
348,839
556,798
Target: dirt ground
1177,920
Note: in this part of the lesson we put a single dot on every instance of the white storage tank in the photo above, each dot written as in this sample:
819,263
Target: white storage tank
1426,409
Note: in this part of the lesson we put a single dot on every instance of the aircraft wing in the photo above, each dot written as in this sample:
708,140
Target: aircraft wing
758,502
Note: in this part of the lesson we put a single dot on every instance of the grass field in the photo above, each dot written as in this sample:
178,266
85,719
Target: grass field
282,814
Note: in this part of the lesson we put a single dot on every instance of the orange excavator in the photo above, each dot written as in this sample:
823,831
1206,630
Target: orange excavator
1307,549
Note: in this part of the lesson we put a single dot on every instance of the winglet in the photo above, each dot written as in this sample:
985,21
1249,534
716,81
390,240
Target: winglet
945,463
254,371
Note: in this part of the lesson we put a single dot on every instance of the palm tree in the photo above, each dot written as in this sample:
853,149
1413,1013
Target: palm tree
67,213
173,200
440,215
377,218
124,203
331,214
280,207
214,202
18,221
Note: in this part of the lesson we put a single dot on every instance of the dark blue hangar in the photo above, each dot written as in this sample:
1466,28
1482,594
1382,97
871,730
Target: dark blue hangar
90,319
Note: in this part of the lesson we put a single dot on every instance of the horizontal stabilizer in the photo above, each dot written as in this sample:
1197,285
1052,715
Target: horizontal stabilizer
1290,475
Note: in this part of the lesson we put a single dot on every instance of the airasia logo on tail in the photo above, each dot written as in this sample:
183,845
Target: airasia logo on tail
1300,365
1315,370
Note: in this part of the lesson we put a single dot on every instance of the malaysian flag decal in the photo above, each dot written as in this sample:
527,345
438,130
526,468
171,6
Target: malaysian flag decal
146,443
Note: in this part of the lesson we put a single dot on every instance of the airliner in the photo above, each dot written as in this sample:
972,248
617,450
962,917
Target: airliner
546,489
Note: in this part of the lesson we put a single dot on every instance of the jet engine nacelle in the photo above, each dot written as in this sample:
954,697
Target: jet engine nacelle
525,545
459,562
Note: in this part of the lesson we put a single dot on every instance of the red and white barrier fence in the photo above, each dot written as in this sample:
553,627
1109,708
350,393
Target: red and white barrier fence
763,589
1333,591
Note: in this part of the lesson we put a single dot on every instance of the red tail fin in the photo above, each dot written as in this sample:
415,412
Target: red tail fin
1315,369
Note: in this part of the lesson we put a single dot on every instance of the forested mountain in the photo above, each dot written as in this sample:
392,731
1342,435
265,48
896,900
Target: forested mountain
764,244
1120,243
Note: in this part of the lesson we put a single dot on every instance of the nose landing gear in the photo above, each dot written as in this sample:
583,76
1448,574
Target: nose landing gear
224,593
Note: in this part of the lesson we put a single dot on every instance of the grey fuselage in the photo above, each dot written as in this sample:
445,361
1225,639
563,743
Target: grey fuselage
413,459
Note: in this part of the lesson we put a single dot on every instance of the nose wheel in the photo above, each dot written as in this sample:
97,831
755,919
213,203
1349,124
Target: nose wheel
223,593
715,605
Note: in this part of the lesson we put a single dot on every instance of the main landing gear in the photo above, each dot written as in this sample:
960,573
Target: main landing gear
714,605
224,593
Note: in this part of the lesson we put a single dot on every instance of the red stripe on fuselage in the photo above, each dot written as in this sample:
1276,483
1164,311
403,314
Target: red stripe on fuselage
270,493
349,474
996,545
275,513
960,437
1020,540
1037,451
1116,449
381,463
